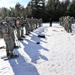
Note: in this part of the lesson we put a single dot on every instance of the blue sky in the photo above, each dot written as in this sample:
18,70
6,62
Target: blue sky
11,3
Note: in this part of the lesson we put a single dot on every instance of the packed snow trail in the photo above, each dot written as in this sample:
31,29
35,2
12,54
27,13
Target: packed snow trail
54,55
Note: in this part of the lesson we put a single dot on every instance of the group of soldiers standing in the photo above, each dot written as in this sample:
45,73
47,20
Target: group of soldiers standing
66,22
14,29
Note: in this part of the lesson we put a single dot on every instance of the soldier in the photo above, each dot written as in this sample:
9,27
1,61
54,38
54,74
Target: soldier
18,28
31,24
36,23
13,34
8,39
27,25
22,23
50,20
61,21
69,25
1,34
40,22
65,23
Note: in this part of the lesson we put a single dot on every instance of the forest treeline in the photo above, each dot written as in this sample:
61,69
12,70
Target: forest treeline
41,9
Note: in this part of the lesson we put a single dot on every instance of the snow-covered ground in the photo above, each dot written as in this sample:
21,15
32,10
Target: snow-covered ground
54,55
